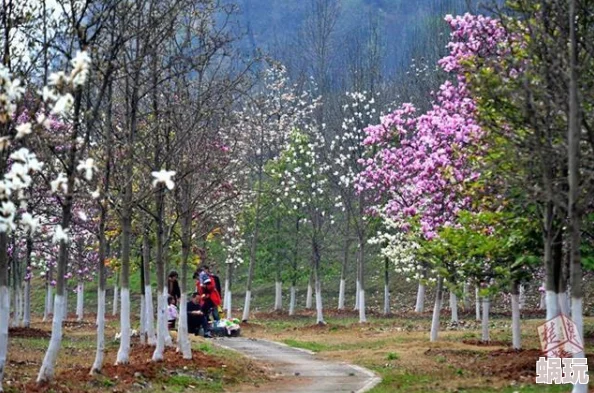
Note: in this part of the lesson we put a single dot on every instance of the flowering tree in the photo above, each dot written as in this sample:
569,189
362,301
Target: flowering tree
268,119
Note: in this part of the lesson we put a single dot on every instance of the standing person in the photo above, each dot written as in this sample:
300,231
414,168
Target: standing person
173,287
171,312
217,281
196,317
211,299
214,277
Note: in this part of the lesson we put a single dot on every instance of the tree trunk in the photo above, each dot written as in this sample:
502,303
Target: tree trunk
4,303
516,330
345,261
162,331
477,303
149,316
123,356
466,299
253,248
436,310
292,301
48,310
46,371
485,320
309,294
278,296
420,306
454,307
361,260
27,295
386,287
142,316
574,209
116,296
318,282
228,290
183,340
522,297
80,298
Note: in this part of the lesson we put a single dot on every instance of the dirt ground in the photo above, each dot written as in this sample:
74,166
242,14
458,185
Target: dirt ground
398,349
209,369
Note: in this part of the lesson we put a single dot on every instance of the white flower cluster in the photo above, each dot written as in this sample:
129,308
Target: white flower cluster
346,148
234,244
60,84
398,247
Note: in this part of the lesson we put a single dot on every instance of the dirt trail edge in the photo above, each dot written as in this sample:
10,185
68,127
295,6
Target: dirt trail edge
300,371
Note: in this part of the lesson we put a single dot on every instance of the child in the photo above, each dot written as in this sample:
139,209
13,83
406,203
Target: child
171,312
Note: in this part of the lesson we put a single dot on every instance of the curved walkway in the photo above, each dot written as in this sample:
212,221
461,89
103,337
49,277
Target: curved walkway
300,370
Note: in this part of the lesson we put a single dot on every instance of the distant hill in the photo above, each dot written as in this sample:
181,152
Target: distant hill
408,29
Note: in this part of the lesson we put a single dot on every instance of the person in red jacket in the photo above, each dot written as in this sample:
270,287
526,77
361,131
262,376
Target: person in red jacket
210,297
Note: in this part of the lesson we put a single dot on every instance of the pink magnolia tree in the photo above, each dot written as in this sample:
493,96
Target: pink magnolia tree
425,164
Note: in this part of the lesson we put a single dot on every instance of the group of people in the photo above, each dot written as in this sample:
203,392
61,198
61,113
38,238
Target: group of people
204,302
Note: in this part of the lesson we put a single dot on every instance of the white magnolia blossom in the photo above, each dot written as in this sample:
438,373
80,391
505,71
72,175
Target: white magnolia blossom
164,176
87,166
399,249
30,223
61,182
23,130
60,235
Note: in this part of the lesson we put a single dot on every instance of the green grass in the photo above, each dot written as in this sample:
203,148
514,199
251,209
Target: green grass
311,346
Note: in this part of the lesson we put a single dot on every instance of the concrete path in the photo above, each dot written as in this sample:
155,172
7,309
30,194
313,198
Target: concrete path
300,371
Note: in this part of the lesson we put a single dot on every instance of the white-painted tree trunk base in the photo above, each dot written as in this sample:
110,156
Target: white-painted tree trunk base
292,301
542,305
183,339
46,373
386,300
420,306
48,304
454,307
149,316
80,301
4,317
142,318
309,297
522,299
168,338
229,304
435,319
485,321
116,298
123,356
362,307
161,328
246,306
477,304
516,328
226,296
552,304
341,290
578,318
100,353
357,295
466,297
562,298
278,296
319,308
27,307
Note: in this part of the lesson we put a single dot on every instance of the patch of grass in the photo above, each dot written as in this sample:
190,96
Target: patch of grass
182,382
392,356
311,346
